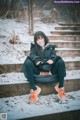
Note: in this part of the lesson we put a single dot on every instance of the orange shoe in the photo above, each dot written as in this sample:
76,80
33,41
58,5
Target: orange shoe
61,93
34,95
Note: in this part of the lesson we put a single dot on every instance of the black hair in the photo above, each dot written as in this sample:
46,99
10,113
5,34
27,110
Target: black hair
39,34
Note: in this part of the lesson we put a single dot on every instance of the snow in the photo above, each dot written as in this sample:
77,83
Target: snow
58,41
67,31
19,107
71,59
14,53
67,49
16,77
12,78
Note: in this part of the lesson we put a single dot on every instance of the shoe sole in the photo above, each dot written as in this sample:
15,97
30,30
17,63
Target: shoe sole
39,91
56,89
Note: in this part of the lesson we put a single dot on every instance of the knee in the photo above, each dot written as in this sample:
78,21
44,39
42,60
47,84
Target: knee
26,64
61,62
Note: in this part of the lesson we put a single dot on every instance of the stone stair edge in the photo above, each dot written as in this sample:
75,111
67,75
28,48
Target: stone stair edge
65,31
45,110
26,82
20,78
67,26
66,59
63,35
63,23
67,48
59,41
59,49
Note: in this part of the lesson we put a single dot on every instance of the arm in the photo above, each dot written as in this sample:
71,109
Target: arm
33,55
53,56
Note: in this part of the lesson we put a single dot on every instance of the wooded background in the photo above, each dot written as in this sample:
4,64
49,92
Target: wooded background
45,10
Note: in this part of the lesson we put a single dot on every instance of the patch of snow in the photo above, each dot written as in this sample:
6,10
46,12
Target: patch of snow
65,41
71,59
18,107
67,48
16,78
12,78
14,53
73,31
72,75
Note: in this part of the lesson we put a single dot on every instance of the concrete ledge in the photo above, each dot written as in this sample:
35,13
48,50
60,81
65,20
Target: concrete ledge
63,44
5,68
69,24
68,115
70,65
63,32
24,88
68,28
64,37
48,106
63,52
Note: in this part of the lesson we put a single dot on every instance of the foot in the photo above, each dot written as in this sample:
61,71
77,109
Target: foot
34,95
61,93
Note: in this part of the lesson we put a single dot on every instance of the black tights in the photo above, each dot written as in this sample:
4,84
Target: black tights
29,69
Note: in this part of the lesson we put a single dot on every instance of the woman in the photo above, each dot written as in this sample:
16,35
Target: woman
43,52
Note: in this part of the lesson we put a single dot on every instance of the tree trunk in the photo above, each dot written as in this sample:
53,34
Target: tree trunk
30,16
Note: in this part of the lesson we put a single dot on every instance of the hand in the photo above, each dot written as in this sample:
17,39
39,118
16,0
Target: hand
38,62
50,61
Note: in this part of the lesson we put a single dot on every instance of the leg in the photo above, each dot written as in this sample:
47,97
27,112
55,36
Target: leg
29,70
59,69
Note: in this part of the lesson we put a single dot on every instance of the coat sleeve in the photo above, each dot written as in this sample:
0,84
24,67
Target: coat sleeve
33,55
53,55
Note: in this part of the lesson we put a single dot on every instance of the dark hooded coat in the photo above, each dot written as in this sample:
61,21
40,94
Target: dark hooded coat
43,55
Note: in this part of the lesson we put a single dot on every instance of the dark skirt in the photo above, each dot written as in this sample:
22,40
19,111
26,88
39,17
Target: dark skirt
46,79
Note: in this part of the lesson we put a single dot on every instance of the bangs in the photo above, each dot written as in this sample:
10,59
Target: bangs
38,37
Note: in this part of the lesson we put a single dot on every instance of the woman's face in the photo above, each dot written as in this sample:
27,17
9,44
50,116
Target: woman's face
40,41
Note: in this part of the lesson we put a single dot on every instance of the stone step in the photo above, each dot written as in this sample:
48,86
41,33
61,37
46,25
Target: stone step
58,43
68,28
64,37
65,115
69,24
72,63
67,52
62,43
47,108
63,52
65,32
12,84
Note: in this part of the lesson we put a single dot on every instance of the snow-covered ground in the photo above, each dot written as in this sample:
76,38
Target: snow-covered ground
16,78
19,107
14,53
